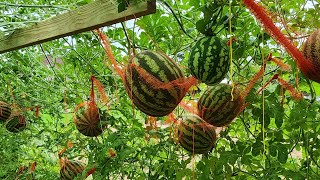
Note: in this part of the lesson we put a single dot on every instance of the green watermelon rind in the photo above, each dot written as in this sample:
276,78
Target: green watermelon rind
5,111
16,123
216,106
195,135
71,170
85,126
147,97
209,60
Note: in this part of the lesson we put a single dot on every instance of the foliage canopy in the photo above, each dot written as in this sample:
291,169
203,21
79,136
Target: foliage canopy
275,137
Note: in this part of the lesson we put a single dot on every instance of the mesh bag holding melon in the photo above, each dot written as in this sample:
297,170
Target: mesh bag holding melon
89,119
156,85
153,81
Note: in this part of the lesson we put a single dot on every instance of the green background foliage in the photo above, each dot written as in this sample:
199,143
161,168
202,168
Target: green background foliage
275,137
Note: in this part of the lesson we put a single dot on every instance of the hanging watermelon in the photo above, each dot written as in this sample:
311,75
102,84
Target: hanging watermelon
216,106
195,135
90,120
5,111
69,169
16,122
148,81
209,60
311,51
153,81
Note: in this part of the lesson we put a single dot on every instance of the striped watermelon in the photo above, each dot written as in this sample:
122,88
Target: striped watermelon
69,169
5,111
16,122
216,107
90,124
311,51
195,135
209,60
144,77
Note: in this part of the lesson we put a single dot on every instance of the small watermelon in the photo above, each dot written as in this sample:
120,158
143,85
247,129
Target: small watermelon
195,135
143,77
311,51
69,169
5,111
16,122
90,122
216,106
209,60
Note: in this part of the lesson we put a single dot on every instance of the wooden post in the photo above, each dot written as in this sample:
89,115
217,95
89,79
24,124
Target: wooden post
88,17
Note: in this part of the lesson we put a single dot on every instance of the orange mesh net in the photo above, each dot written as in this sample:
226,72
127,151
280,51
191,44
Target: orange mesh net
183,84
282,65
92,110
296,95
305,65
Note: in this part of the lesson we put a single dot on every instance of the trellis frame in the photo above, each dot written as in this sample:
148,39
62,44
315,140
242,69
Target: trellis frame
85,18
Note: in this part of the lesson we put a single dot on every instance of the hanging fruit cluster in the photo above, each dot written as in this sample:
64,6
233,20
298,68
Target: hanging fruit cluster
156,85
209,63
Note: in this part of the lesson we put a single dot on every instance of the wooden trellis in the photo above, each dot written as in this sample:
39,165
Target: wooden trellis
85,18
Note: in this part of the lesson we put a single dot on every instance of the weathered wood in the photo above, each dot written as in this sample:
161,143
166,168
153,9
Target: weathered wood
88,17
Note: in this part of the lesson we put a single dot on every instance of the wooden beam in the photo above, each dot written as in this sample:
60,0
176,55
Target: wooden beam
88,17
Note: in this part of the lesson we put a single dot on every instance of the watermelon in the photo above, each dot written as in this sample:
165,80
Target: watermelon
216,106
16,122
90,124
311,51
209,60
69,169
5,111
195,135
144,80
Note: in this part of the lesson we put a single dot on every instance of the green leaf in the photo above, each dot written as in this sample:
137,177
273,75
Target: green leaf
204,28
282,154
273,150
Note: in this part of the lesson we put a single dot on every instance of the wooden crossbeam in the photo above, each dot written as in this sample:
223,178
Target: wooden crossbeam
88,17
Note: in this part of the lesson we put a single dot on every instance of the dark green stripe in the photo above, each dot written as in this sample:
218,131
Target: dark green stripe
87,127
75,167
195,149
151,105
65,174
170,69
5,112
195,135
208,60
71,169
216,106
14,124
